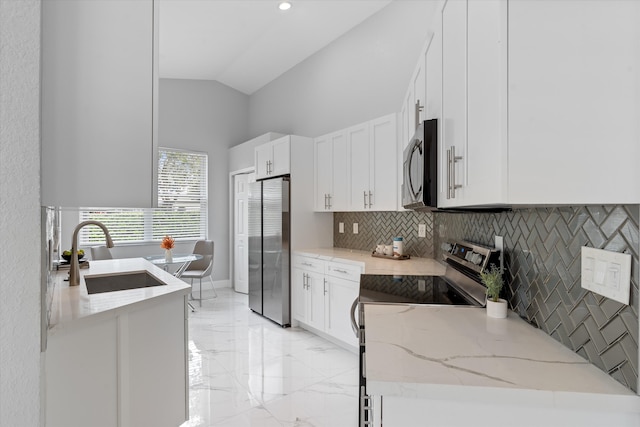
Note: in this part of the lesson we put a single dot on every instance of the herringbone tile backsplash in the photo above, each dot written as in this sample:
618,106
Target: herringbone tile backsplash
381,227
543,262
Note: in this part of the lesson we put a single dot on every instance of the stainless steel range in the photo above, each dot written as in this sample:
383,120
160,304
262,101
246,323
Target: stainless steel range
459,287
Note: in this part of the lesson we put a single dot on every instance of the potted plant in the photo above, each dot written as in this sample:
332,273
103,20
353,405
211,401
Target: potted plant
492,279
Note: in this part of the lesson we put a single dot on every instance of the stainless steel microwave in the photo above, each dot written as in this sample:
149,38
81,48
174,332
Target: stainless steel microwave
420,168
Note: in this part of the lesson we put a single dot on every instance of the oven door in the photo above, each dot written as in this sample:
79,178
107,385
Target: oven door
413,169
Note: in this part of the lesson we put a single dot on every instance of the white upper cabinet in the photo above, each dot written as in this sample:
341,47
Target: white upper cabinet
383,177
373,165
273,158
532,114
359,166
454,100
472,161
574,102
331,173
98,103
356,168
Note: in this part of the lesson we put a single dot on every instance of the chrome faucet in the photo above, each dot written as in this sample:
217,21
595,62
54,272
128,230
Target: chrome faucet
74,270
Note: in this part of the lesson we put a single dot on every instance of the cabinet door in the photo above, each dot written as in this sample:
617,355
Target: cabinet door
323,166
97,103
433,102
82,362
316,289
359,164
340,296
153,375
486,155
383,179
298,294
339,200
573,102
454,96
281,156
264,157
418,83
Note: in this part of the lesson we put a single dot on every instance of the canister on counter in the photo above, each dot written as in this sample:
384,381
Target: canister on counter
398,247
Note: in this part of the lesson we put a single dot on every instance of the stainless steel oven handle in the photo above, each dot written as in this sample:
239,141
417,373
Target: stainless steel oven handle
354,325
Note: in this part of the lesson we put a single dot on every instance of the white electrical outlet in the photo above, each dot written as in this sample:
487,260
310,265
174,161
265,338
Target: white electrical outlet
422,230
341,227
355,228
606,273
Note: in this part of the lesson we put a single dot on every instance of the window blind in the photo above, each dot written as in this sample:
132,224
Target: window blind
182,205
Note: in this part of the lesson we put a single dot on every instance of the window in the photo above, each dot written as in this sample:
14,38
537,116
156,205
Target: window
182,205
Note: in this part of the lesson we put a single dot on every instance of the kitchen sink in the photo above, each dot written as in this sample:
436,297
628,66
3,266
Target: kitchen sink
120,282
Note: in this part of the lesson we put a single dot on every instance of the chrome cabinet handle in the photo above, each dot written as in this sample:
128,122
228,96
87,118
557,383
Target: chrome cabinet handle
329,196
354,325
307,264
340,271
418,109
364,193
451,172
325,286
325,200
370,199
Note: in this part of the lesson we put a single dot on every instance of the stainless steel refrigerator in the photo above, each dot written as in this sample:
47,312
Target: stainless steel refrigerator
269,289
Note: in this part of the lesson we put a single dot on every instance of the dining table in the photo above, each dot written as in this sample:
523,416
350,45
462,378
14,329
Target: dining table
180,261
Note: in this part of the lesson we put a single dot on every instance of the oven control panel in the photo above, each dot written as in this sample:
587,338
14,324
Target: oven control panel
471,255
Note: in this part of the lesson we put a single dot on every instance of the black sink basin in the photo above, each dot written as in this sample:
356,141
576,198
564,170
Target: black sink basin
120,282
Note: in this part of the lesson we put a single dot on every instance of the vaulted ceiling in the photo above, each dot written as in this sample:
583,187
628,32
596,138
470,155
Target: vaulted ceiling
246,44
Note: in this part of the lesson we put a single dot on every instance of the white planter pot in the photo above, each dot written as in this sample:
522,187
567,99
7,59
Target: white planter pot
497,310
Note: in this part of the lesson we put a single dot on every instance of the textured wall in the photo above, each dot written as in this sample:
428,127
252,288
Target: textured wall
19,213
381,227
543,261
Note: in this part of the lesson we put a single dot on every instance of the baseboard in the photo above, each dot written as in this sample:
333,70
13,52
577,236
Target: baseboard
222,283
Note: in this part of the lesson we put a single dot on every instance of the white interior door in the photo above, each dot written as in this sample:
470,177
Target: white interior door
240,242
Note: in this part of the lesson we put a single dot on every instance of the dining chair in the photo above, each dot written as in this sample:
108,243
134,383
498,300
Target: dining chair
201,268
100,252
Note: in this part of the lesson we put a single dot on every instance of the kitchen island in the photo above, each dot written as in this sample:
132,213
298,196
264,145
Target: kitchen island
454,366
117,358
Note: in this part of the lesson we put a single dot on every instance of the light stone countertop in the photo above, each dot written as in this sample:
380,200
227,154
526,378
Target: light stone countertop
373,265
459,353
72,304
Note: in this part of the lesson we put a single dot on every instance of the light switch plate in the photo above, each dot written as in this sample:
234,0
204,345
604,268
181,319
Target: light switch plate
606,273
355,228
422,230
341,227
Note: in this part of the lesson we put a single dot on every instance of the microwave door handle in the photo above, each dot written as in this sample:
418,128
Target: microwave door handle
414,193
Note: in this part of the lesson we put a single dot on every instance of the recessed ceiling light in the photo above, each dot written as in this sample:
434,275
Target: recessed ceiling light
284,5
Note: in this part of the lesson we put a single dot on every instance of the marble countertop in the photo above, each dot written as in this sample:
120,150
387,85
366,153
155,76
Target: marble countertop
460,353
373,265
71,304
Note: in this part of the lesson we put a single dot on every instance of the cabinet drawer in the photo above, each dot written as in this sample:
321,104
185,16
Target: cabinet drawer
309,264
344,271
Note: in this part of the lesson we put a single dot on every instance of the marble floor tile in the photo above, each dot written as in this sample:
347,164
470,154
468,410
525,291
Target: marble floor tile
245,370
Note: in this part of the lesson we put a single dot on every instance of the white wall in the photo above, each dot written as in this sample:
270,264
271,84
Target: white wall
361,76
209,117
20,213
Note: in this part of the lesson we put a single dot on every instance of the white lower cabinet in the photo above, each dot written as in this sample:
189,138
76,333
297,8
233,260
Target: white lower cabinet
126,370
322,294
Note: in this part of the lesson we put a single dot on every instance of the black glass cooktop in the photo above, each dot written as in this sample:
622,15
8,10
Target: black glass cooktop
410,290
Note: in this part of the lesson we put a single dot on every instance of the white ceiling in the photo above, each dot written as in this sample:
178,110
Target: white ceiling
246,44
